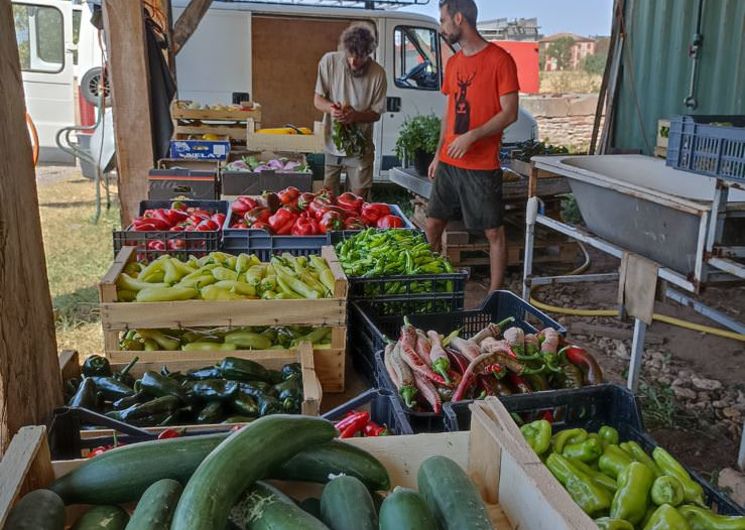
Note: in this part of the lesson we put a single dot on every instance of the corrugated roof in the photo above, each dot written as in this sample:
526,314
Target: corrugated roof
656,67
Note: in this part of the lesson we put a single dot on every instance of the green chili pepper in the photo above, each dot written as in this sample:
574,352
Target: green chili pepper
586,493
587,451
162,406
538,435
631,498
212,389
667,490
668,518
613,461
159,386
701,519
110,389
569,436
246,370
640,455
212,412
601,479
245,404
211,372
693,491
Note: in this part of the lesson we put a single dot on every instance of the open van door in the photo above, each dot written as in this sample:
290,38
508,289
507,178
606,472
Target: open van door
413,60
45,46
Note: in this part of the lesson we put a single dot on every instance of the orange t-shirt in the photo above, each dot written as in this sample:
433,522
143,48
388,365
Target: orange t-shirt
473,85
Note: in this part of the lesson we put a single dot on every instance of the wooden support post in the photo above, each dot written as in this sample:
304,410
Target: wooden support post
30,382
188,22
130,92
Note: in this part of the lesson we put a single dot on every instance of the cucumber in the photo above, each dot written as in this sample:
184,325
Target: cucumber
155,509
38,510
123,474
267,508
346,504
315,464
239,461
102,518
451,496
405,509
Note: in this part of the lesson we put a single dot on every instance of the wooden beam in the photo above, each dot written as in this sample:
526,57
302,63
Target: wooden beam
188,22
130,92
30,382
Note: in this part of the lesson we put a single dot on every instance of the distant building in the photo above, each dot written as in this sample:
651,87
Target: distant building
521,29
582,47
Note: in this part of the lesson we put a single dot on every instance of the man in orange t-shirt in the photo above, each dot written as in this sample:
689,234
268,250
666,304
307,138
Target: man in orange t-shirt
482,100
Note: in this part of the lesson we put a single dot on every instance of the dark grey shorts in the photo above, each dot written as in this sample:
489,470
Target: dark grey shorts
473,195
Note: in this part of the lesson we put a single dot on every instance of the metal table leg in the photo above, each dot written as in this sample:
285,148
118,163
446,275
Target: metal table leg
531,213
741,454
637,352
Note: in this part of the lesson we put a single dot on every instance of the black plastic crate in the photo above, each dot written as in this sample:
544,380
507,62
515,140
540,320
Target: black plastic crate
700,145
384,408
370,327
150,245
340,235
193,184
589,408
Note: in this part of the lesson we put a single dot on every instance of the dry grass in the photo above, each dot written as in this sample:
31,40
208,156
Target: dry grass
78,253
570,82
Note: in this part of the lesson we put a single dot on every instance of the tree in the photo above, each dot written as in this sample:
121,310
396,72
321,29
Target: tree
594,64
561,51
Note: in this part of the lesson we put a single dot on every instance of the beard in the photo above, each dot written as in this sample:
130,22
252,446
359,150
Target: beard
454,37
361,71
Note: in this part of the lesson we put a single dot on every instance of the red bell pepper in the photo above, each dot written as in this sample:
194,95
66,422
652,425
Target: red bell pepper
323,211
350,202
272,201
305,226
156,245
348,419
218,218
171,433
331,221
258,214
319,205
289,195
176,216
390,221
356,425
178,205
261,225
373,429
207,225
282,222
149,224
177,228
243,204
372,211
354,223
176,244
304,200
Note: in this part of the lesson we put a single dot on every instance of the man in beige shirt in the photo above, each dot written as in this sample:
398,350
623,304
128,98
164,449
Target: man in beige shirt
351,89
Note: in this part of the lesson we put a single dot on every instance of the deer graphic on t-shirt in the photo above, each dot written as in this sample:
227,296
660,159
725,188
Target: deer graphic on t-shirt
462,106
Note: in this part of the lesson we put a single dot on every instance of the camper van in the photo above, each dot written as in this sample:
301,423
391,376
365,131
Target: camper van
269,50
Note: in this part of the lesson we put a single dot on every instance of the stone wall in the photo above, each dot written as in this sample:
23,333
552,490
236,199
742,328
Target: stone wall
563,119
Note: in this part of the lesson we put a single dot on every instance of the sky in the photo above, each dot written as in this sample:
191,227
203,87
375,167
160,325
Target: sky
583,17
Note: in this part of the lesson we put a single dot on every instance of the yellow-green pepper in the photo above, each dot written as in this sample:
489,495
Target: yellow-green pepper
702,519
667,490
667,518
632,496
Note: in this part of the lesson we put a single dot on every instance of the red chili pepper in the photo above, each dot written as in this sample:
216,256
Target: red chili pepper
331,221
289,195
585,361
373,211
373,429
351,418
171,433
305,226
390,221
357,425
282,221
350,202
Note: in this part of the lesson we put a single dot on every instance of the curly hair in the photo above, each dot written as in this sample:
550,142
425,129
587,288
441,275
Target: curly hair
359,40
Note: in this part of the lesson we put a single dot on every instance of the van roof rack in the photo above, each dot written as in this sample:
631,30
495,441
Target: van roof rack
360,4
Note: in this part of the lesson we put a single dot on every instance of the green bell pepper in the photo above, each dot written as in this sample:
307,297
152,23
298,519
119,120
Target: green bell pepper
613,461
640,455
245,404
702,519
158,385
211,372
137,414
632,496
667,518
212,412
606,523
569,436
586,493
212,389
609,435
110,389
538,435
693,491
95,365
85,396
587,451
247,370
667,490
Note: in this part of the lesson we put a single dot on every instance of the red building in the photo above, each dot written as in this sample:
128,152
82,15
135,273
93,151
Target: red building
525,54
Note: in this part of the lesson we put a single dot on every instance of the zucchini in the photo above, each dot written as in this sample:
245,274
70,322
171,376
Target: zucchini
405,509
451,496
123,474
155,509
267,508
102,518
38,510
346,504
315,464
254,450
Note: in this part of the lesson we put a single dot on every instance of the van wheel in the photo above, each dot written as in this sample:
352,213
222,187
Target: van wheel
90,86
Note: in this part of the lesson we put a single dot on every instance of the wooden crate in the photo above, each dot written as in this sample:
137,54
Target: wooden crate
294,143
519,491
312,391
178,113
230,123
328,312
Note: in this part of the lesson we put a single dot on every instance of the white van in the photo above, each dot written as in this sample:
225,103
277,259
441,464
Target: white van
268,50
